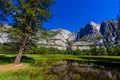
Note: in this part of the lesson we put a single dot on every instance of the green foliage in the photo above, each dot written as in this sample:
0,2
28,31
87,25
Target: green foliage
103,51
5,6
12,48
85,38
78,52
29,16
42,50
113,51
46,34
8,48
94,51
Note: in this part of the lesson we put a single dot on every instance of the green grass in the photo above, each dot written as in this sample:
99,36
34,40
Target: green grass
31,73
41,72
31,58
106,59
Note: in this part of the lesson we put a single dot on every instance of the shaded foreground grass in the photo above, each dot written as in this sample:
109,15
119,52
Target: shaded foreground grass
40,65
9,58
31,58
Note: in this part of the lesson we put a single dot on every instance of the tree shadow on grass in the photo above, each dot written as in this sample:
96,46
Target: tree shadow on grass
10,59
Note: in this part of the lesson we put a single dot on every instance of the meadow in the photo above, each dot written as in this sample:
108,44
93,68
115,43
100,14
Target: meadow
39,66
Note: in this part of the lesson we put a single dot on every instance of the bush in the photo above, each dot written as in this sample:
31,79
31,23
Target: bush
8,48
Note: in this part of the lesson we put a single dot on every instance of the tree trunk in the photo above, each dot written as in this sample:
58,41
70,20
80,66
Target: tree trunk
21,50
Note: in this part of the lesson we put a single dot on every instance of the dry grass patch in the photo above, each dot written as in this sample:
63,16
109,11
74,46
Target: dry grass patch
12,67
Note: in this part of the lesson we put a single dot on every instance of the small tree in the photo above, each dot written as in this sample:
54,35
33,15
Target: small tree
29,16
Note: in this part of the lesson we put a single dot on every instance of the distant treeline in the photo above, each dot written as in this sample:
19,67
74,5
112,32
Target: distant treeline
13,49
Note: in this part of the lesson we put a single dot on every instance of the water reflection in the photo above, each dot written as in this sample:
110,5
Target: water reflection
71,70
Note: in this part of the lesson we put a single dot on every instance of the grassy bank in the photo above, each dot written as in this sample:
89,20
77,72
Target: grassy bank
39,65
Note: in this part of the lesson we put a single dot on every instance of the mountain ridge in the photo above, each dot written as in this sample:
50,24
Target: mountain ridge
91,35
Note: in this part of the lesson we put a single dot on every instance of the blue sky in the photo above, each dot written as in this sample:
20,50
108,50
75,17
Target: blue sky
74,14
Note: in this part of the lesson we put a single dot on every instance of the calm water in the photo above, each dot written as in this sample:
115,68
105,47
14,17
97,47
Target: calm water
71,70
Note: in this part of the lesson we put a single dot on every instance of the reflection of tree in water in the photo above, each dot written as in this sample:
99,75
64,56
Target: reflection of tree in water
74,71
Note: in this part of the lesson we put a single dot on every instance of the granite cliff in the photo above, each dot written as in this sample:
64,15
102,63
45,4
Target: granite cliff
91,35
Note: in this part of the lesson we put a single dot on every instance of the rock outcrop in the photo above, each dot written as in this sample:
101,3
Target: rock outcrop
111,33
91,35
90,31
59,40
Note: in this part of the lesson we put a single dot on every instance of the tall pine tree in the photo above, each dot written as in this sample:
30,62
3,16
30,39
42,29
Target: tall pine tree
29,16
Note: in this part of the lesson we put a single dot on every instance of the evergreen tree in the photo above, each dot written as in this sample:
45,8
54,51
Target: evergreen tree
29,16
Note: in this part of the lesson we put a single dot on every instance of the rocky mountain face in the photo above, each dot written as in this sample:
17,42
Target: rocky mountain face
59,40
111,32
91,35
88,36
90,31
